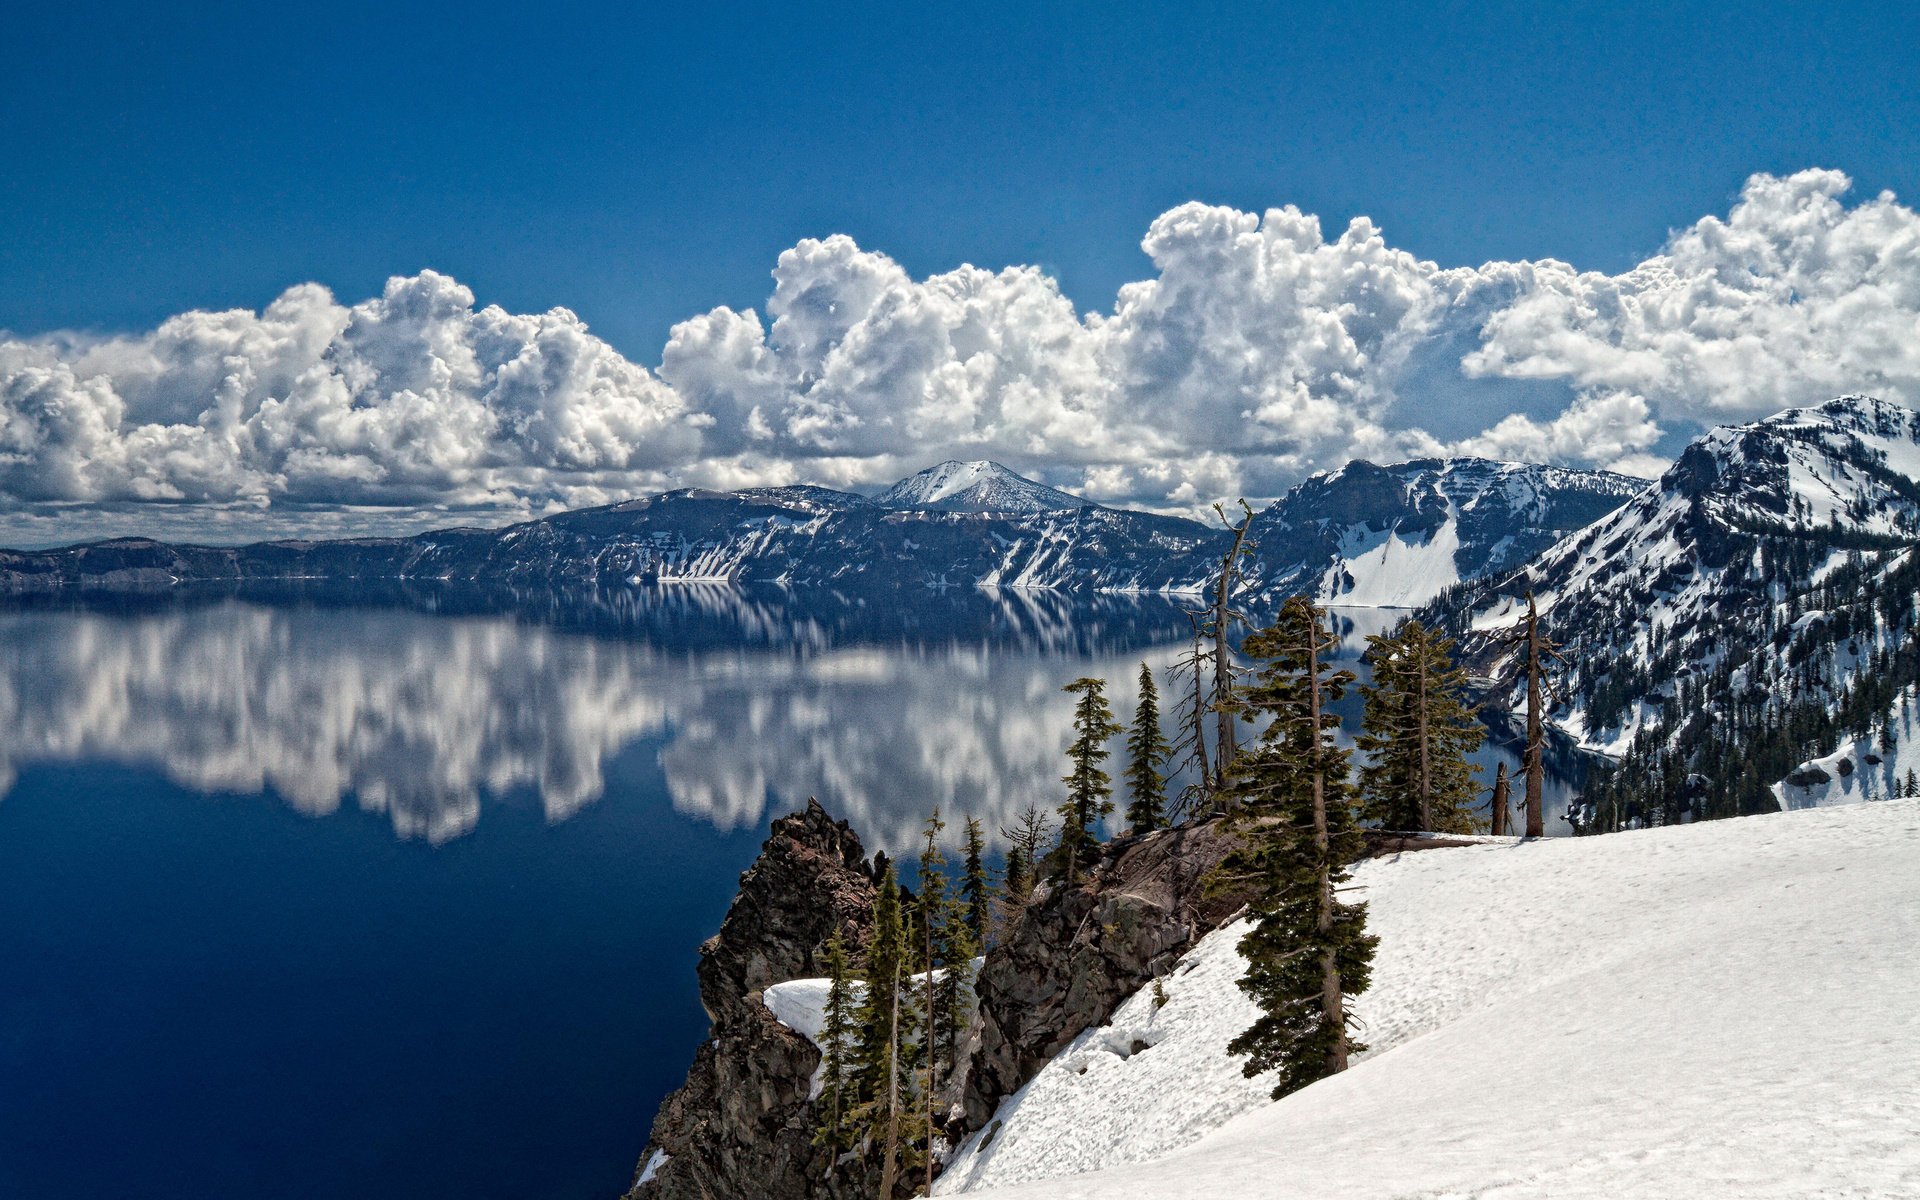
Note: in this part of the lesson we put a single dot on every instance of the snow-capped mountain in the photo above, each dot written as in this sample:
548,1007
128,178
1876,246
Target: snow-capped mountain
1397,536
1725,621
1365,535
976,487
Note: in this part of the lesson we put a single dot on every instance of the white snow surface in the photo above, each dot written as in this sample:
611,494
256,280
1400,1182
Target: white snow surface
1720,1010
800,1005
1395,573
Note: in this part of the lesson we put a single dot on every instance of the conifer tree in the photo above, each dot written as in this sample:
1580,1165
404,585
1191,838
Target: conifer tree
837,1052
1147,750
975,889
881,1066
1292,809
1089,790
1498,803
1418,734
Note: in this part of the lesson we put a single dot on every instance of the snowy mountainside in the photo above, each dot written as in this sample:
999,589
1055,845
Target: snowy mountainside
1881,763
1359,540
976,487
1766,571
1628,1016
1397,536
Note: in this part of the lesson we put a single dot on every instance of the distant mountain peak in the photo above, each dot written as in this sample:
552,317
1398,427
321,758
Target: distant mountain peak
978,486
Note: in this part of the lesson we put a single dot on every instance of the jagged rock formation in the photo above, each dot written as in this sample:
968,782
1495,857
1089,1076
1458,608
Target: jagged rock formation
742,1124
1077,952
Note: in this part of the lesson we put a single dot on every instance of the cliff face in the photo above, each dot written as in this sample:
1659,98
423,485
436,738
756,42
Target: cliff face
742,1125
1076,953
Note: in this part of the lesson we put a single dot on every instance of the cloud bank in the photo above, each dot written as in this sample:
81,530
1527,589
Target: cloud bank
1260,350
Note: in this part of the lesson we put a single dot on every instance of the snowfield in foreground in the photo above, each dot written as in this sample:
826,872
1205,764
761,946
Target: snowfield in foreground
1729,1009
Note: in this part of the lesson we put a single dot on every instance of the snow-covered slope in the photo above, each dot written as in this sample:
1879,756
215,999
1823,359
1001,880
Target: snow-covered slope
1721,1010
1397,536
976,487
1664,573
1771,569
1881,764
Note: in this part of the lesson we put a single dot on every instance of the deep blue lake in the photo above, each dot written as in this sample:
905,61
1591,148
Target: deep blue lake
399,896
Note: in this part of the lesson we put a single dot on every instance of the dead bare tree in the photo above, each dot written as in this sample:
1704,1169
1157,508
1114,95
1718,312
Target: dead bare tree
1536,650
1220,620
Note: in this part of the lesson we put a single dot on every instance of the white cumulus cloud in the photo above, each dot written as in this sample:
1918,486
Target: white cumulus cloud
1259,350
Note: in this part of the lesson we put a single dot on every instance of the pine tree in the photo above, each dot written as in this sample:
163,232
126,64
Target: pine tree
1089,790
1418,734
1292,809
975,888
1147,750
837,1052
882,1063
935,913
1497,804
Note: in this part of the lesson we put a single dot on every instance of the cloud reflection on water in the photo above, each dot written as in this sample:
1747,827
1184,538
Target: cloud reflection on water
427,719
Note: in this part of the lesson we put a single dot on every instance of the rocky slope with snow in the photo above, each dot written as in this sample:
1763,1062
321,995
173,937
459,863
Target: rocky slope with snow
1735,617
1397,536
1365,535
1718,1011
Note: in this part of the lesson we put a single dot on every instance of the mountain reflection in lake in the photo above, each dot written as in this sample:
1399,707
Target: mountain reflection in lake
882,707
882,711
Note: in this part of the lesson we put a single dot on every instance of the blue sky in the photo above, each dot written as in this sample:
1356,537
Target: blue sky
642,164
639,163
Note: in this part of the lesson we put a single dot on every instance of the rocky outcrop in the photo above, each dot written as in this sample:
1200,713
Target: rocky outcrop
741,1126
1078,952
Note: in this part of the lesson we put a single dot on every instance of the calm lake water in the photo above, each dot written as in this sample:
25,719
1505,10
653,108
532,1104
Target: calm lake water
399,896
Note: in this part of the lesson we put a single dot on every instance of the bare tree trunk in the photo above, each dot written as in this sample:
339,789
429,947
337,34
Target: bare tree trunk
1426,767
890,1167
933,1019
1225,747
1200,725
1332,1008
1223,742
1536,726
1502,796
